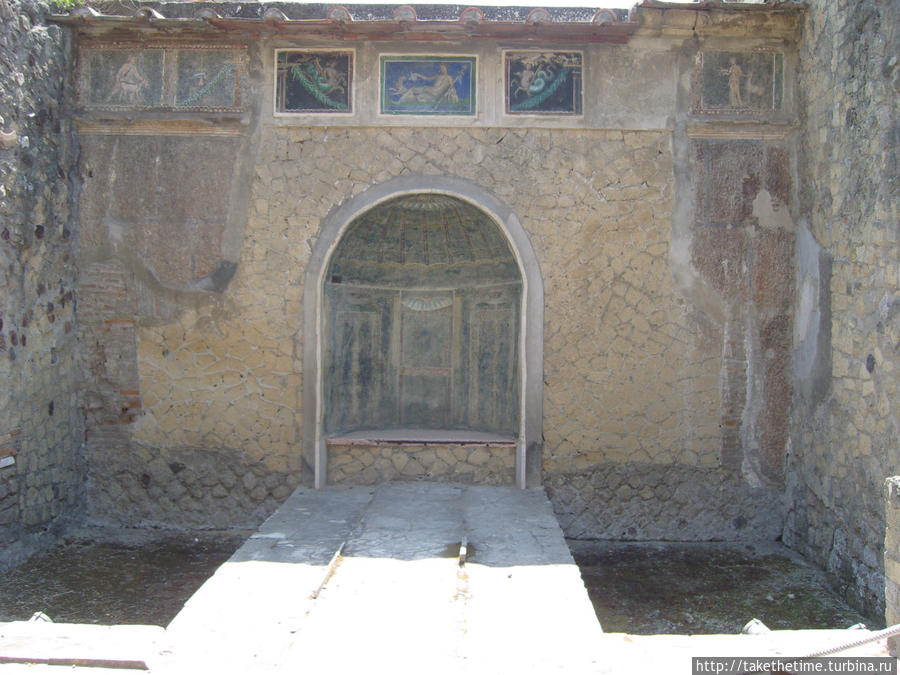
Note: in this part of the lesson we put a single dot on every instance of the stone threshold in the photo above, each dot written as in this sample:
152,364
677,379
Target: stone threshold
403,436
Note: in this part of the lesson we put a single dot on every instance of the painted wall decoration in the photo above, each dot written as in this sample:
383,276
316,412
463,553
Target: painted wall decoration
428,85
121,76
313,81
736,81
423,298
209,78
543,83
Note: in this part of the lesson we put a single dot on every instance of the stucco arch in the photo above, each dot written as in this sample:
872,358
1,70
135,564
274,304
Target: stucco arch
528,455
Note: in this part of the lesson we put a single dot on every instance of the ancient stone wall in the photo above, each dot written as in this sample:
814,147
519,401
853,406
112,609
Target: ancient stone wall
632,372
225,375
191,397
664,239
845,407
371,464
686,245
892,558
41,426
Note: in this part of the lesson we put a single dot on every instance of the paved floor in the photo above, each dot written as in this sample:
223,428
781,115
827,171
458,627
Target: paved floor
405,578
398,595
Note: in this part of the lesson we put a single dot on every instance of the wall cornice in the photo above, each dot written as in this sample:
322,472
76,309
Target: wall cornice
216,21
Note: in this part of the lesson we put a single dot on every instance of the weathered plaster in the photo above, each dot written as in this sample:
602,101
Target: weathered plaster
812,323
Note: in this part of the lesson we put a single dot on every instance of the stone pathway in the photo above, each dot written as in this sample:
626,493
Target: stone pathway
398,595
403,577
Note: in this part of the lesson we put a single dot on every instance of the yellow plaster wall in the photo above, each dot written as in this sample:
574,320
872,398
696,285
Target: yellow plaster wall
631,372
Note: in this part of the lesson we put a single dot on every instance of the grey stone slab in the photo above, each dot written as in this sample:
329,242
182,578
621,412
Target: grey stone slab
410,521
378,613
397,597
308,528
506,526
527,610
246,614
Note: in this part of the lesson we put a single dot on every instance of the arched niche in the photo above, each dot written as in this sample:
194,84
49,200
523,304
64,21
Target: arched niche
398,304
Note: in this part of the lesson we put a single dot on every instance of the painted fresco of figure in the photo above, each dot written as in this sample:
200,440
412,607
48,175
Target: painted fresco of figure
735,74
129,83
198,81
543,82
332,80
442,90
325,78
316,82
537,73
526,77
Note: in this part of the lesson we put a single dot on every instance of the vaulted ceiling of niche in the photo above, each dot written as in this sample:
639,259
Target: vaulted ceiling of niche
423,240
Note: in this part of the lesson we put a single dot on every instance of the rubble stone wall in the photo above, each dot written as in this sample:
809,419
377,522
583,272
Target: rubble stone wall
663,502
632,370
41,426
846,416
475,464
663,251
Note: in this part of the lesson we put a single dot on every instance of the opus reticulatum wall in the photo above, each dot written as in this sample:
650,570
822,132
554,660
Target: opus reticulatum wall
706,289
662,232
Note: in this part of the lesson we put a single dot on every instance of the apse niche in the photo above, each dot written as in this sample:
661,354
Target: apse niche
422,321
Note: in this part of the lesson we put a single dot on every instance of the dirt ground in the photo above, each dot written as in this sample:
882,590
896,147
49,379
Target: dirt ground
145,577
656,588
114,577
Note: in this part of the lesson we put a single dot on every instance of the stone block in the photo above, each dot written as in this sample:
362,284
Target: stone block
892,558
365,465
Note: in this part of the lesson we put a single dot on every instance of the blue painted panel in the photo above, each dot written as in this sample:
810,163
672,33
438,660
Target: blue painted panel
428,85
